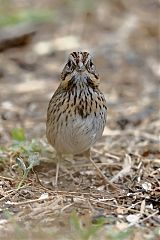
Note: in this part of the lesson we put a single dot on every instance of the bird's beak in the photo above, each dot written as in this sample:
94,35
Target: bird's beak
80,67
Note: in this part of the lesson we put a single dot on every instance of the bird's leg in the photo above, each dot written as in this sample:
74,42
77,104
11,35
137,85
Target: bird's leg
58,157
87,154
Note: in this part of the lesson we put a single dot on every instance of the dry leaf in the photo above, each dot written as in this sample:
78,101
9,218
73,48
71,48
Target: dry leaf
44,196
143,206
133,218
127,165
147,186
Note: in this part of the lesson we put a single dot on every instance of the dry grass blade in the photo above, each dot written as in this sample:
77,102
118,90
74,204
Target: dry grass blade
125,51
126,170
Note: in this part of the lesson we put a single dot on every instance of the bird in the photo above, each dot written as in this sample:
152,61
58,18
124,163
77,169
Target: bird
77,111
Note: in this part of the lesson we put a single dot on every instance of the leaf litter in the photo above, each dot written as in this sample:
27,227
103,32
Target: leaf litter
128,153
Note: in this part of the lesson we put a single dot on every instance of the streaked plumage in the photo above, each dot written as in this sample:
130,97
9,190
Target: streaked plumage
77,111
76,114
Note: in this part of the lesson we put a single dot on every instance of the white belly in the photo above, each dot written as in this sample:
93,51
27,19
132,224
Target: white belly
79,134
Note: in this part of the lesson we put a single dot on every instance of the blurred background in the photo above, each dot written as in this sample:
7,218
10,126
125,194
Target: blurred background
36,38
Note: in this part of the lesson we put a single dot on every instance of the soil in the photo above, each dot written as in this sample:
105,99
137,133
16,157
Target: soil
122,37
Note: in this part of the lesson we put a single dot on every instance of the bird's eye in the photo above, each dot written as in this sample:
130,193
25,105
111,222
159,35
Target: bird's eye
90,66
70,66
69,63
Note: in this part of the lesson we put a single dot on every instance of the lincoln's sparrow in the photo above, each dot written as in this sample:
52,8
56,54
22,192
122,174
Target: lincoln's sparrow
76,114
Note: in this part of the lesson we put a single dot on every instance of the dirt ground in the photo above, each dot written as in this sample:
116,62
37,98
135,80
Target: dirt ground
122,36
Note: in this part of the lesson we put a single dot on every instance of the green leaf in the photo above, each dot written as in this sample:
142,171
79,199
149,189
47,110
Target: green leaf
85,233
18,134
75,222
120,235
33,160
25,16
21,164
